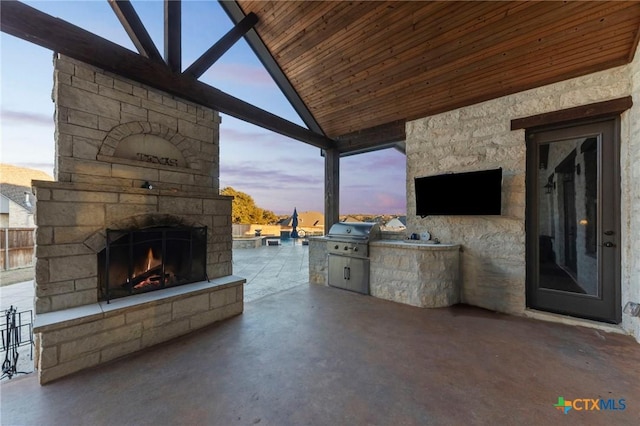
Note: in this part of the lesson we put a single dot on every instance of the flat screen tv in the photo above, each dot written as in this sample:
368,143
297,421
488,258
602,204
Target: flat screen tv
471,193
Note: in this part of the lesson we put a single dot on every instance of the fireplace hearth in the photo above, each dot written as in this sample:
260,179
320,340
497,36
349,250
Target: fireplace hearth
143,260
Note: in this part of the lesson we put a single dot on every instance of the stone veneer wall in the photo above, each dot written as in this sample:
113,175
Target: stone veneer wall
630,201
479,137
18,217
95,190
426,276
318,261
72,219
74,339
114,137
95,110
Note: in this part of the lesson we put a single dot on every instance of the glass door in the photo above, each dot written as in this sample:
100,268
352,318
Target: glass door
573,259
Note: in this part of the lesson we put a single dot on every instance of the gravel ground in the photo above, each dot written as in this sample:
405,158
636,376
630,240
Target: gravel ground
7,280
14,276
24,365
24,351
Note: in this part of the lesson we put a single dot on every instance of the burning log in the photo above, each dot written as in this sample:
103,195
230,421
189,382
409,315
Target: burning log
153,281
152,277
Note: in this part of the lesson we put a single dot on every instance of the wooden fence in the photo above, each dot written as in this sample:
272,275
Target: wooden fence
16,247
247,230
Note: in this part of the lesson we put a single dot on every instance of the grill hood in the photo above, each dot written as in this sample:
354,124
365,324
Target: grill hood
355,231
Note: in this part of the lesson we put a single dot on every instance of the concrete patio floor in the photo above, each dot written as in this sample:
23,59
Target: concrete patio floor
271,269
267,269
323,356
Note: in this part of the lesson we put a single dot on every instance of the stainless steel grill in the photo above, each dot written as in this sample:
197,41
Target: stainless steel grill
348,248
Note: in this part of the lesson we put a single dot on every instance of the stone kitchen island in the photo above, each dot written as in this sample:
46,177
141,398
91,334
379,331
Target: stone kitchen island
416,273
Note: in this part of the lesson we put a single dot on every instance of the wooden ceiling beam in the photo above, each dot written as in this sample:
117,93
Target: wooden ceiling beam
583,112
355,67
204,62
236,14
492,80
374,138
485,78
173,34
134,27
30,24
442,59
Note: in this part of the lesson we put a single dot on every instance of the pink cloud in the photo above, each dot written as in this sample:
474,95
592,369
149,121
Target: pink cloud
241,135
372,201
378,160
287,174
266,138
281,190
389,201
248,174
245,75
22,117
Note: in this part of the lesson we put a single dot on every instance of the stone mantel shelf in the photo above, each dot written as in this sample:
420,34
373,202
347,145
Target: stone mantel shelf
415,244
56,320
77,186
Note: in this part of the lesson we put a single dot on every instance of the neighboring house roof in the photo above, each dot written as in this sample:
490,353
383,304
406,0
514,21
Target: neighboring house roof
306,219
21,176
350,219
395,223
20,195
15,184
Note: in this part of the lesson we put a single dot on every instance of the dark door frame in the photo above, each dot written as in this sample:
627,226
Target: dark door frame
531,220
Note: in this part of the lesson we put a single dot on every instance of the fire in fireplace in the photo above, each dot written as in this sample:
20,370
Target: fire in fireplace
142,260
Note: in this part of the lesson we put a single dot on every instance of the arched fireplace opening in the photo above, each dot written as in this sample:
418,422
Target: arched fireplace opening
142,260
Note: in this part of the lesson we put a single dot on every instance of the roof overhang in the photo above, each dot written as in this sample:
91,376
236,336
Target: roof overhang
356,65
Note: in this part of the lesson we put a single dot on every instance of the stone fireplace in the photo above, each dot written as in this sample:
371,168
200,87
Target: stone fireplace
133,239
151,258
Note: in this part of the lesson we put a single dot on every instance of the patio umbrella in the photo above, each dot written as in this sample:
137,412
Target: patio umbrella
294,224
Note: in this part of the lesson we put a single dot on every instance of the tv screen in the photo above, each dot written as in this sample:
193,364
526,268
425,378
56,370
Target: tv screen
472,193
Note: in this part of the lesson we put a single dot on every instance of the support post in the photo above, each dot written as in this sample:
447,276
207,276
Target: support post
30,24
331,188
6,249
204,62
173,34
135,29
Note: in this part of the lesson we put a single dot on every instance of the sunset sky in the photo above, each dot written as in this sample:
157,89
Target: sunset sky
278,172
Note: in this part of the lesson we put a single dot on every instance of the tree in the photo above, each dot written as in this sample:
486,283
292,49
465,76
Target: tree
244,209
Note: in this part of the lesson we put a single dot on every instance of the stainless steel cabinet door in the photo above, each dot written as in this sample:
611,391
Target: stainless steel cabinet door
349,273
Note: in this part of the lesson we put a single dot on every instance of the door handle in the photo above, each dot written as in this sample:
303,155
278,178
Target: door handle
609,244
609,232
347,273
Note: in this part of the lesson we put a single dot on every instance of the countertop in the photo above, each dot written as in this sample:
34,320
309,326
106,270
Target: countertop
417,244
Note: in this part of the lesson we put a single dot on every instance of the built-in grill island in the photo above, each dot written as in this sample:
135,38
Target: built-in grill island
362,258
348,250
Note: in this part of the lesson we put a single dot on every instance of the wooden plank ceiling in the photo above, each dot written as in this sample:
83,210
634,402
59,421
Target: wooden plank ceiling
358,65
